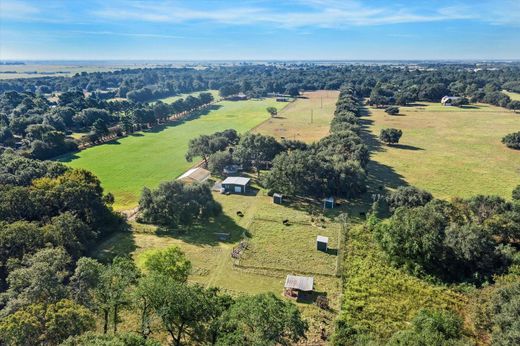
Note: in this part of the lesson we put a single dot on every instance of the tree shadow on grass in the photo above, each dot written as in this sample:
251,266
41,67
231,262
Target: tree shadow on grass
194,115
119,244
221,229
406,147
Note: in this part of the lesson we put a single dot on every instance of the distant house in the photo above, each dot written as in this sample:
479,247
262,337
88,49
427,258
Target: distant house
449,100
296,284
236,184
195,175
282,99
237,97
328,203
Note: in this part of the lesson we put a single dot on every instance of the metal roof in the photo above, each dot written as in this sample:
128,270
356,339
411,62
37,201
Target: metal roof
195,174
322,239
302,283
236,180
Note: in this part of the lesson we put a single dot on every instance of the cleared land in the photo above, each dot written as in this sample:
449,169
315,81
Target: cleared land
274,250
512,95
307,119
147,158
448,151
172,99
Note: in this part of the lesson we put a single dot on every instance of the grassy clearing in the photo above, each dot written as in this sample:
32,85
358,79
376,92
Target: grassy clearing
512,95
379,299
126,165
294,121
172,99
448,151
274,250
291,251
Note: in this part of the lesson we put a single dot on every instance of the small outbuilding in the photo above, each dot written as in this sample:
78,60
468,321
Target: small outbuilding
195,175
322,243
277,198
328,203
236,184
449,100
296,284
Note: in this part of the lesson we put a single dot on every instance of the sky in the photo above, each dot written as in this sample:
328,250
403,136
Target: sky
259,30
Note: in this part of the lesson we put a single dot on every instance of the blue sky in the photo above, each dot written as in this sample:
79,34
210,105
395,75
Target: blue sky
291,29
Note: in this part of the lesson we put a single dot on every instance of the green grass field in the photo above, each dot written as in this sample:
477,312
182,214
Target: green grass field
512,95
148,158
448,151
295,121
172,99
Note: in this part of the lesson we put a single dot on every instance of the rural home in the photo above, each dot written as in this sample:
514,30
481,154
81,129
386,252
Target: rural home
195,175
235,184
296,284
448,100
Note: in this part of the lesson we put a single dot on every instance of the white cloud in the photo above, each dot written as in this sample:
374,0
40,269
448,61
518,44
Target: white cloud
307,13
128,34
16,9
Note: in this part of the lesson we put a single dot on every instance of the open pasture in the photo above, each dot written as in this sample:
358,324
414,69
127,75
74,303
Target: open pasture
148,158
448,151
172,99
306,119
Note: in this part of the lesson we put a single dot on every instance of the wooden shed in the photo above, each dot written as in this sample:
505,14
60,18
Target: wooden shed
322,243
277,198
296,284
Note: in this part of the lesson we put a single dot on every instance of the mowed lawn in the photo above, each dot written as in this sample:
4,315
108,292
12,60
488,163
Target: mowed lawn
148,158
306,119
172,99
448,151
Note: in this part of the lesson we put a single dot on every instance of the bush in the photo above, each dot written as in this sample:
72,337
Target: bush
408,196
390,136
512,140
392,110
516,193
433,328
175,203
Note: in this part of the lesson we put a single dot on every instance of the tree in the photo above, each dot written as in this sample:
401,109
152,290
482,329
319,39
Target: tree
506,315
390,136
182,309
120,339
516,193
174,203
408,196
257,150
392,110
206,145
512,140
431,328
47,324
85,279
273,111
111,292
38,278
218,161
263,319
170,262
99,128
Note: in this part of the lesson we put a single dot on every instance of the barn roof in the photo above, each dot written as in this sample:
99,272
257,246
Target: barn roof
302,283
195,175
236,181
